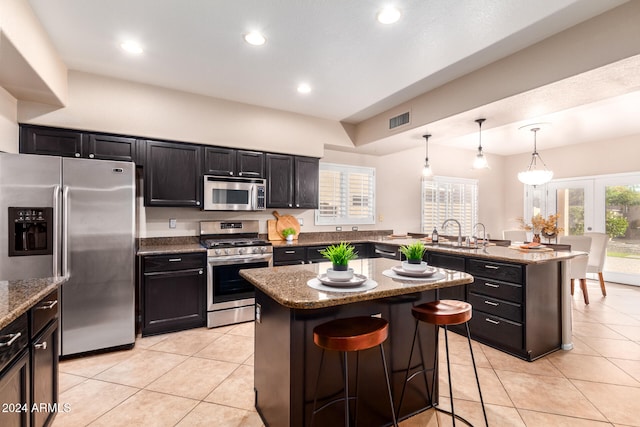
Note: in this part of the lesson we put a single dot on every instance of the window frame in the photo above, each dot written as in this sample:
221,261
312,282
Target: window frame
345,219
466,223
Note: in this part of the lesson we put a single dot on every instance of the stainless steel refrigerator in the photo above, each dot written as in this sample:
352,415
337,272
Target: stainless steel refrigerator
74,218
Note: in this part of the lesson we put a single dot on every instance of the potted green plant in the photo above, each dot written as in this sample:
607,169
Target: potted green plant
289,234
340,255
414,253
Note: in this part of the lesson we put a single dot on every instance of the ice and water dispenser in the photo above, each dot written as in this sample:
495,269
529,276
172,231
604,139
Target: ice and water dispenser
30,231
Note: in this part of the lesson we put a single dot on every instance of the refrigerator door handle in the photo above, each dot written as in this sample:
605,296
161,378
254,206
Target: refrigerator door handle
65,231
56,230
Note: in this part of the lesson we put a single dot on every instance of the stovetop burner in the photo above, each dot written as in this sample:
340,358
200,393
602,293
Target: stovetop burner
229,243
233,239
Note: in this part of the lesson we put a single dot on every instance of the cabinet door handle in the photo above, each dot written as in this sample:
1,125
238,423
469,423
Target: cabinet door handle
491,285
197,203
42,346
289,252
175,259
77,154
231,173
47,305
12,339
91,156
492,321
200,272
494,304
492,267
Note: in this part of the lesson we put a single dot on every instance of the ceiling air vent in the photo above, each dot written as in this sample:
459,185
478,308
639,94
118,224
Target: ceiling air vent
400,120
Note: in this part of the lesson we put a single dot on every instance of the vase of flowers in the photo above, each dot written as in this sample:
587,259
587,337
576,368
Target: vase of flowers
541,226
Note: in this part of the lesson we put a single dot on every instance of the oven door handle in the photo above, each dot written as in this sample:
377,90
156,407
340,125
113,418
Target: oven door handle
237,259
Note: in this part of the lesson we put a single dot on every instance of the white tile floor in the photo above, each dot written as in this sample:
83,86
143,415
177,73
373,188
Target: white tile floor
204,377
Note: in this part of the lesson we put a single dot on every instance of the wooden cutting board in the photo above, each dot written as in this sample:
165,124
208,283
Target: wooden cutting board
286,221
271,229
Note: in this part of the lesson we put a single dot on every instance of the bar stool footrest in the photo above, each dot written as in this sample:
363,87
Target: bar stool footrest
458,417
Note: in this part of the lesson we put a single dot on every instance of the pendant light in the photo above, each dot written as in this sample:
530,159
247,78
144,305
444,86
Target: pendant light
426,171
480,162
534,175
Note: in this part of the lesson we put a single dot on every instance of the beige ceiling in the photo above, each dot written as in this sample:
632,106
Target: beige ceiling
357,67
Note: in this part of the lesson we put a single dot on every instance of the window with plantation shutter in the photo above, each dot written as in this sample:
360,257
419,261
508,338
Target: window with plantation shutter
444,198
346,195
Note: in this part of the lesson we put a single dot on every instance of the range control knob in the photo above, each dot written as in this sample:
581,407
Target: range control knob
241,251
217,251
227,251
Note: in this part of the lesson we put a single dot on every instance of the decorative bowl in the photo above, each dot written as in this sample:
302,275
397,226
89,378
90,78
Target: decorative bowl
407,266
339,276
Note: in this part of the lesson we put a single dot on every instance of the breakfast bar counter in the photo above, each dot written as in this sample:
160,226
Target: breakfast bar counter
286,359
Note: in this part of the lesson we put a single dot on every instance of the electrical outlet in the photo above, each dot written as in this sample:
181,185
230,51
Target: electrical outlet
172,223
338,228
380,218
301,221
354,228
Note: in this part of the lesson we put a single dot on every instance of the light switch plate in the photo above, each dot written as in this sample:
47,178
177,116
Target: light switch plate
172,223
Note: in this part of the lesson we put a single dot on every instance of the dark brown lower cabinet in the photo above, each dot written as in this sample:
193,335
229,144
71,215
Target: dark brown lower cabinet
14,392
174,297
29,367
44,376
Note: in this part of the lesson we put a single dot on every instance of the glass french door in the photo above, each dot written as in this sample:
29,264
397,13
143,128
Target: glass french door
618,210
572,200
605,204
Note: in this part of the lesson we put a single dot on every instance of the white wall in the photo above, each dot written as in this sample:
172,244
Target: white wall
117,106
8,122
596,158
399,185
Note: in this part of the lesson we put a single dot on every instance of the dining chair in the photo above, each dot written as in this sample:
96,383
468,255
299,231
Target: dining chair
514,235
578,265
597,256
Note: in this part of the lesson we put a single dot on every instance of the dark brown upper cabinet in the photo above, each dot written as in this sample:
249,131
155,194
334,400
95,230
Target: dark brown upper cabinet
172,174
292,181
231,162
70,143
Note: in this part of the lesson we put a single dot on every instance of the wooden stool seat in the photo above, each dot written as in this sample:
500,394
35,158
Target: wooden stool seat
352,334
443,312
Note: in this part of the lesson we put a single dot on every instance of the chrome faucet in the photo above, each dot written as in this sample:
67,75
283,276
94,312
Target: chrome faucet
459,229
484,233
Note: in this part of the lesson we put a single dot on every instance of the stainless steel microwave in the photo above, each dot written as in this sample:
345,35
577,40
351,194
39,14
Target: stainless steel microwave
233,194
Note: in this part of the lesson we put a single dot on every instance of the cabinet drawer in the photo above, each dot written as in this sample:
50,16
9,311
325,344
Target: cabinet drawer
13,339
446,261
43,312
172,262
495,270
498,330
497,307
497,289
314,255
289,254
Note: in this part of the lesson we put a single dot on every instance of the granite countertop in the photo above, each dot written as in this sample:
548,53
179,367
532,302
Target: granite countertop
288,285
18,296
496,253
169,245
170,249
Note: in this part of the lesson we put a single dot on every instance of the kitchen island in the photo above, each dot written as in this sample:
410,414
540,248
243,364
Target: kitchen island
286,359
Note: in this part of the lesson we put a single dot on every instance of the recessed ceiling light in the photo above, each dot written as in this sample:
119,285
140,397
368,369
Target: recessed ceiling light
132,47
304,88
388,15
255,38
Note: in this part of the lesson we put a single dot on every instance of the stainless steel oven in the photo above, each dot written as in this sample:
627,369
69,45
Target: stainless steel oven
231,247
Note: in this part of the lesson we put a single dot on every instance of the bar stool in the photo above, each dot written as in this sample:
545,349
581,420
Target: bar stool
346,335
442,313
